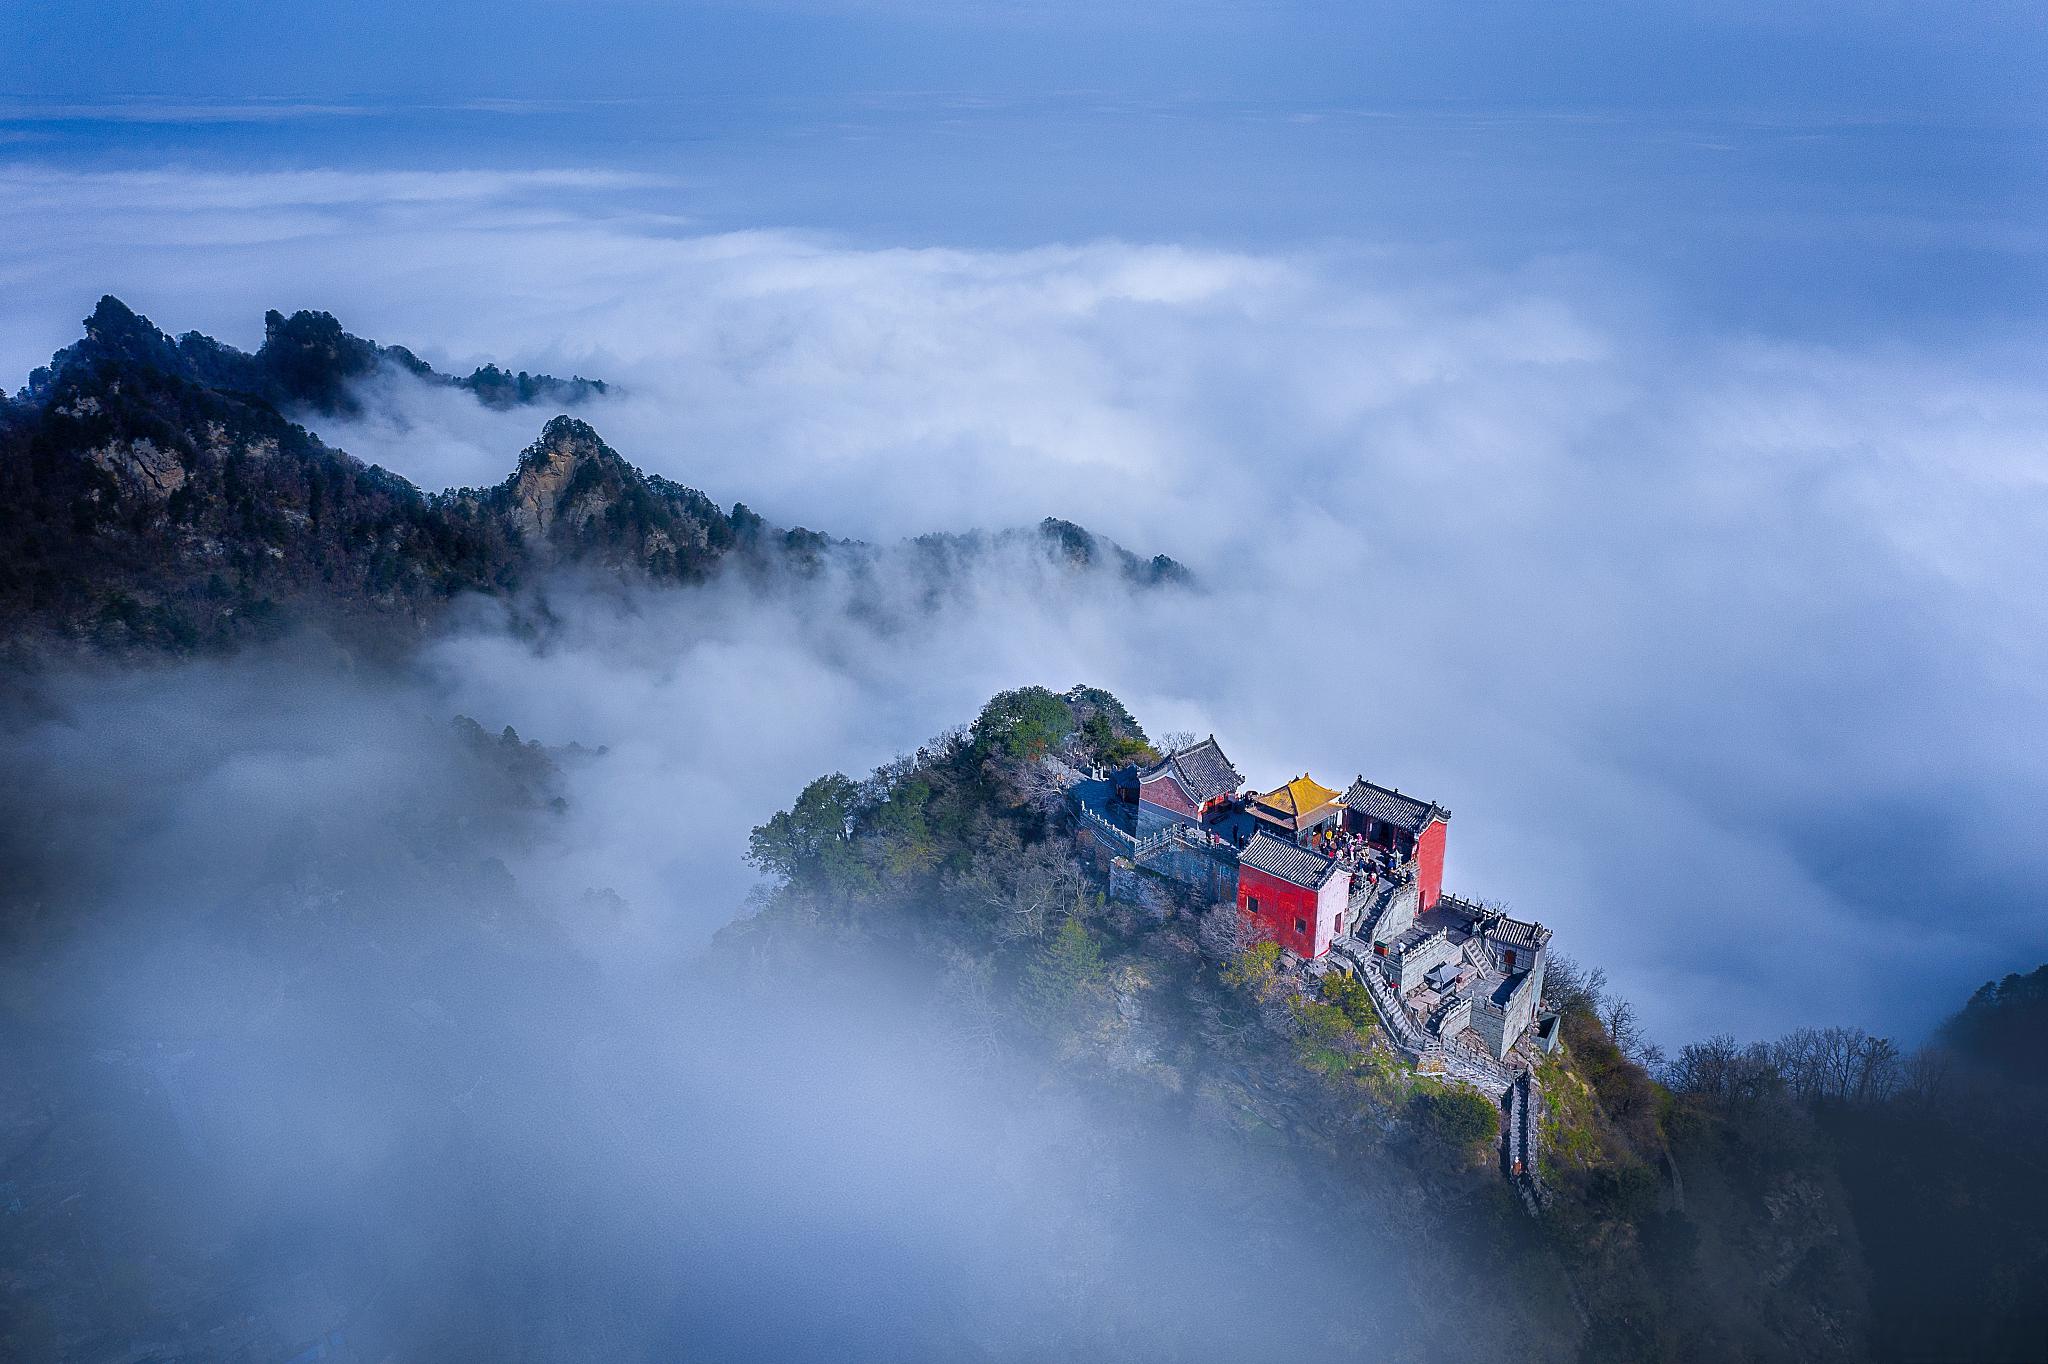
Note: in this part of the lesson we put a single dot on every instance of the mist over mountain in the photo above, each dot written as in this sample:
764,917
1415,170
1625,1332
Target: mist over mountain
159,494
349,1027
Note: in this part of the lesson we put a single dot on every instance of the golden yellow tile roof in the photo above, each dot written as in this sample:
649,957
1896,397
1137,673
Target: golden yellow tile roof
1304,795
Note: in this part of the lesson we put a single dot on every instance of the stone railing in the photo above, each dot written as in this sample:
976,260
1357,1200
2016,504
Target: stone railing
1142,848
1066,773
1201,840
1423,945
1119,838
1451,1017
1449,1059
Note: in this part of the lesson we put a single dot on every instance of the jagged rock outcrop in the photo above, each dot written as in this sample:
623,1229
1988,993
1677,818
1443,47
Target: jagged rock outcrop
307,362
574,499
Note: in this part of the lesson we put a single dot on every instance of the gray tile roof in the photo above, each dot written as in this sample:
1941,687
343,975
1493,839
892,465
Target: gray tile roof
1531,936
1201,769
1388,805
1277,857
1499,927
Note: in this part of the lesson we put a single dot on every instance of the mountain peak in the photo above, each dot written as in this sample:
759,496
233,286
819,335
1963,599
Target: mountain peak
308,361
172,501
110,312
116,331
570,475
569,431
314,362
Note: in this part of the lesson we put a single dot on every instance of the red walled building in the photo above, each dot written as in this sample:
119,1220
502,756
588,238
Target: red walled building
1191,782
1298,897
1405,826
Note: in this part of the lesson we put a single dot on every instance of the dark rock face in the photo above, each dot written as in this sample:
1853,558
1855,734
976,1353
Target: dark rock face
308,359
153,493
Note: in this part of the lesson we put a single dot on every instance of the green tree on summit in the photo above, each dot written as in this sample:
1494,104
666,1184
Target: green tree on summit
1021,725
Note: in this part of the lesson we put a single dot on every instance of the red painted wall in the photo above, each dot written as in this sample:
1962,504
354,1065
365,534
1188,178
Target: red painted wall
1429,864
1164,792
1280,904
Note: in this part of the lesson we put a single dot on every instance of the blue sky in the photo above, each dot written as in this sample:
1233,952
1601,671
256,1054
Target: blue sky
1796,54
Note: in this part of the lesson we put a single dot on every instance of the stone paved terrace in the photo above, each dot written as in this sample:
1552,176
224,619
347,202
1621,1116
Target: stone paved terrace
1099,797
1482,984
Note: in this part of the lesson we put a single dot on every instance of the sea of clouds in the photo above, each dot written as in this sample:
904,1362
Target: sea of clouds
1725,650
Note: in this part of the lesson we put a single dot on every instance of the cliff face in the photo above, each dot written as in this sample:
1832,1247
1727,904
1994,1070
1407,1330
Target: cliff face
573,499
144,500
154,493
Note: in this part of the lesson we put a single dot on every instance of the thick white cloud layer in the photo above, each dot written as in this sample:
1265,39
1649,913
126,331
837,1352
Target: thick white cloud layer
1726,652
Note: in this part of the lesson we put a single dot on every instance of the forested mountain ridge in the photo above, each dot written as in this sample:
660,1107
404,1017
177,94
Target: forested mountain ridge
155,493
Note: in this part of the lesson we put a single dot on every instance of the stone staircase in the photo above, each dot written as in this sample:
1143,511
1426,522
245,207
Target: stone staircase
1520,1150
1431,1055
1473,1069
1393,1016
1434,1056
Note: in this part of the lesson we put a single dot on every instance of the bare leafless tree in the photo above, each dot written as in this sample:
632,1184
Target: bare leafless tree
1225,932
1626,1028
967,1007
1569,987
1844,1065
1929,1079
1027,893
1719,1068
1043,787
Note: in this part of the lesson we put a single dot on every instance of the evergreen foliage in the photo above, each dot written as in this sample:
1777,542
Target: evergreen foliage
1064,974
1457,1119
1021,725
810,841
